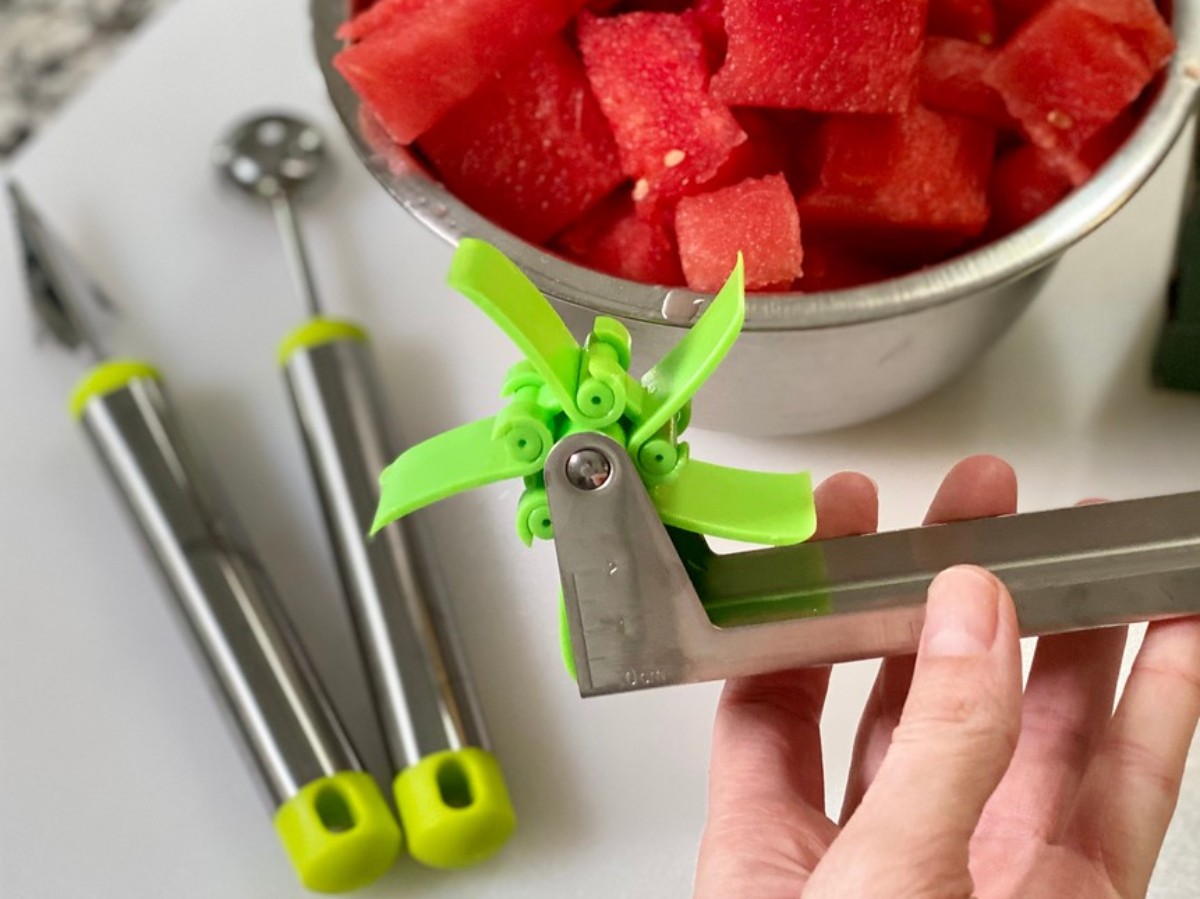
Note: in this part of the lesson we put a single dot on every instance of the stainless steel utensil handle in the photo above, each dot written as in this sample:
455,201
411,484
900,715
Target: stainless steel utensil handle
419,677
642,604
269,687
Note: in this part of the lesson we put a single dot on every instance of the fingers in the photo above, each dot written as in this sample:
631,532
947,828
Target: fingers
766,825
1068,704
977,487
952,745
1131,788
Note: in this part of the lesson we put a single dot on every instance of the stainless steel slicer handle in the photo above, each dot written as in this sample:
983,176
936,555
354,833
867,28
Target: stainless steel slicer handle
450,791
649,606
330,815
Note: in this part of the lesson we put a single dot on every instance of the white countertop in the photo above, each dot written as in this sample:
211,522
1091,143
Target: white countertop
119,778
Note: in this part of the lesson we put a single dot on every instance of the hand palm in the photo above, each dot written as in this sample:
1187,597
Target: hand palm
1076,806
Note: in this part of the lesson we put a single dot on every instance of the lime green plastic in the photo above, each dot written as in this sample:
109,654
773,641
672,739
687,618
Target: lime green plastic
455,808
316,332
564,637
339,832
493,282
751,506
106,378
672,382
458,460
561,388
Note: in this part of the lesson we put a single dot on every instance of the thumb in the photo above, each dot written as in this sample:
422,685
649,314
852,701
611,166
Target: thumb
952,746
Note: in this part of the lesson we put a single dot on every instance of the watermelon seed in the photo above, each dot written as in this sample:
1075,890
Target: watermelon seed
1059,119
641,189
673,158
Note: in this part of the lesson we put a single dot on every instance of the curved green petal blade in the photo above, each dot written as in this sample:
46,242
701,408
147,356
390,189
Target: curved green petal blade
491,281
751,506
462,459
679,374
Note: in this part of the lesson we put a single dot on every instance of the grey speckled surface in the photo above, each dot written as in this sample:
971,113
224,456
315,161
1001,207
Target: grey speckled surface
49,48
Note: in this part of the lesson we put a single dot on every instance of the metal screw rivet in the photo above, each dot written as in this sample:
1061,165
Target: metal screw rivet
588,469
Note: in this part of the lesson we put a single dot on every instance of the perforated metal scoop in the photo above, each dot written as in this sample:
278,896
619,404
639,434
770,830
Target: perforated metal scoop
276,157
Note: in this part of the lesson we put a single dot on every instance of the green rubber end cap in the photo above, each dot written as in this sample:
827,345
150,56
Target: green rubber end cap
339,832
106,378
455,808
316,332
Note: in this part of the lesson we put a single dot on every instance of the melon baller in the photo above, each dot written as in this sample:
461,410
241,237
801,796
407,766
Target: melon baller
330,815
449,788
646,602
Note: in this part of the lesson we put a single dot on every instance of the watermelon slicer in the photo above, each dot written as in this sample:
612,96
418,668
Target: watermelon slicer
647,603
562,388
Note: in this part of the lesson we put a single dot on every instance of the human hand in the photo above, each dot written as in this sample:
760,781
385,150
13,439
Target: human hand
959,786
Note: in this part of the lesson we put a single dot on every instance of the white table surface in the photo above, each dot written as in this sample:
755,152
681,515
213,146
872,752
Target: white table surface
118,777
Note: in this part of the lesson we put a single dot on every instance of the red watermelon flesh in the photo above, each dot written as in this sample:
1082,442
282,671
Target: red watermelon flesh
968,20
649,74
831,264
614,239
1012,14
1024,185
531,150
823,55
756,217
764,152
951,80
1069,72
710,16
902,180
417,59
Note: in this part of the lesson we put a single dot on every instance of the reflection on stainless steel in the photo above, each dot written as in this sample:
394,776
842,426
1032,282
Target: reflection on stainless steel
836,358
421,687
254,658
640,606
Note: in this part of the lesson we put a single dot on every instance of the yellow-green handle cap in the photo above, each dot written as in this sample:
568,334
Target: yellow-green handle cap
316,332
454,807
339,832
106,378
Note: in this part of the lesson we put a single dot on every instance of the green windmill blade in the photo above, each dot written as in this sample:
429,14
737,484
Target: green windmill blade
670,384
561,388
462,459
750,506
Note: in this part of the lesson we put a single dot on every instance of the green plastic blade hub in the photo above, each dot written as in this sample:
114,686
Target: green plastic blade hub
462,459
751,506
492,282
679,374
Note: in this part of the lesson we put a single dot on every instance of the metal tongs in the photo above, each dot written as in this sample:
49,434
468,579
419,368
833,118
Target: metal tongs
647,603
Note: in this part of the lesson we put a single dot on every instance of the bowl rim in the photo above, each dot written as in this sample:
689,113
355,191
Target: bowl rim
1002,261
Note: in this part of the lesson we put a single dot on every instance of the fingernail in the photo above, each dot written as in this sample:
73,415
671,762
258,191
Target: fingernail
961,614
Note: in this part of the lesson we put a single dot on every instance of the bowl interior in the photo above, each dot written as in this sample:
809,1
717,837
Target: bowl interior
1018,254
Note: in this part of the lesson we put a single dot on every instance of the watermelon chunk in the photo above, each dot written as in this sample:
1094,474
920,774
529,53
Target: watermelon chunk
951,80
614,239
1024,185
649,74
823,55
531,150
919,179
756,217
410,66
1075,66
968,20
831,264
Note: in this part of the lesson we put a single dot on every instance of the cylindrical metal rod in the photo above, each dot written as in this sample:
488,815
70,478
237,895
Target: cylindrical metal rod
297,253
422,690
255,659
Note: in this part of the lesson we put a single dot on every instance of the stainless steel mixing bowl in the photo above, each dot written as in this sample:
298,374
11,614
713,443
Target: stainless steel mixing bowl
817,361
